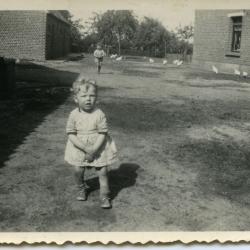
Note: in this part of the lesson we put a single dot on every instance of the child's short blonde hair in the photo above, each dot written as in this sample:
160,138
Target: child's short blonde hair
79,83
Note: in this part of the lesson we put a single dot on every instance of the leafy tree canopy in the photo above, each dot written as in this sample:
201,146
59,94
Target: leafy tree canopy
115,26
76,27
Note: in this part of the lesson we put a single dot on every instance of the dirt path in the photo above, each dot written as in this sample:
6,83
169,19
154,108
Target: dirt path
183,140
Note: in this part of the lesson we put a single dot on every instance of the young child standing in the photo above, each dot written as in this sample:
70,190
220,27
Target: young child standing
89,144
99,54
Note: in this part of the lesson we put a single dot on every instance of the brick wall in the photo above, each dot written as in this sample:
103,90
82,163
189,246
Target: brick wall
212,40
22,34
57,37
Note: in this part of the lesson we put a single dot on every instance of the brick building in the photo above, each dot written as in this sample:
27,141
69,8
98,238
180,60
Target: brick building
222,38
36,35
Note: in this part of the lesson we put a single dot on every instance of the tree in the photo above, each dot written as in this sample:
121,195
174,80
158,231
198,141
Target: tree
152,37
88,42
75,29
173,43
185,35
115,26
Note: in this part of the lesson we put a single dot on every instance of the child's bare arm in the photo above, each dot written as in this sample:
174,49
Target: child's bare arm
74,139
99,142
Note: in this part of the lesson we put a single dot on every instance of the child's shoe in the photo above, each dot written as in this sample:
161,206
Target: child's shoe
105,203
82,195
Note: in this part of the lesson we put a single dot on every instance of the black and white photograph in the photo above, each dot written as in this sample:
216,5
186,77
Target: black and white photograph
124,116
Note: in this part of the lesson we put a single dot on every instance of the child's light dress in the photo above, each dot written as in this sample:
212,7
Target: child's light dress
86,126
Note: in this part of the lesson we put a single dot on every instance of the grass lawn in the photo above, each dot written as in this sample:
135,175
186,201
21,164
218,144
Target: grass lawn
183,138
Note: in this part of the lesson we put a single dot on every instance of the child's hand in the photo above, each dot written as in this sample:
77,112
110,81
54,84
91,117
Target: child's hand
90,151
89,157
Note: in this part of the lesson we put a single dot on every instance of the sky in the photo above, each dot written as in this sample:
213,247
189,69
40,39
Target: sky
170,12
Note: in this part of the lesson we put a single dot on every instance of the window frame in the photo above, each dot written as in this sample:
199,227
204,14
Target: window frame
236,34
229,52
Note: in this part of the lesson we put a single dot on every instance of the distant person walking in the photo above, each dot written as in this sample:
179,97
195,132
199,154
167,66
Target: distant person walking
99,54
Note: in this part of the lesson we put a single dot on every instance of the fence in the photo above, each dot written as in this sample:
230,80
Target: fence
169,56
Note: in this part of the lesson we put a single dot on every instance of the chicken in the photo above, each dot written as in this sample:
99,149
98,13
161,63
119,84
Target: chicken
215,69
176,61
165,62
245,74
119,58
237,72
179,63
113,56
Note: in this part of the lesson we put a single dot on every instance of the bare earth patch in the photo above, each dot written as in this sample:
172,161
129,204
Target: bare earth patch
183,140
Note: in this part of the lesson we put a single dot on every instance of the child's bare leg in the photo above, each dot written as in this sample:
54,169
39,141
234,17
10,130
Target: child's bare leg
99,66
104,186
103,180
79,176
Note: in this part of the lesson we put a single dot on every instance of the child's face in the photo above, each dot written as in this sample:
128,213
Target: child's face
86,98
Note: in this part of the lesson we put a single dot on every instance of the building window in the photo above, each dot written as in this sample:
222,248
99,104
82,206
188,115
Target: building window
236,35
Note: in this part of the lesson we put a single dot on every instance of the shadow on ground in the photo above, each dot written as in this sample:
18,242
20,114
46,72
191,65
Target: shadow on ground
223,167
30,104
106,73
123,177
137,114
217,85
40,75
147,115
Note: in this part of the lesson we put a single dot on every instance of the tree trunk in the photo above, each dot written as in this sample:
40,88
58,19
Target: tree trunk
185,54
165,49
119,46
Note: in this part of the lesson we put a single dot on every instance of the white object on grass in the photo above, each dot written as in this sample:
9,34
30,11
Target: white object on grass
119,58
151,60
175,61
245,74
179,63
215,69
237,72
165,62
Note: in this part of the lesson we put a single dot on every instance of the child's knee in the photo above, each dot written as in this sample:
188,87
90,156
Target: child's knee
102,172
79,169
